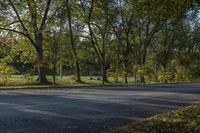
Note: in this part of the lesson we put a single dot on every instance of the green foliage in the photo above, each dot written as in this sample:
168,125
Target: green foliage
112,73
25,51
179,76
6,71
145,71
193,72
29,76
165,76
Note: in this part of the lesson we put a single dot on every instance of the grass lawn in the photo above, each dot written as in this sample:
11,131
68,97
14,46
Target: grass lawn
185,120
17,81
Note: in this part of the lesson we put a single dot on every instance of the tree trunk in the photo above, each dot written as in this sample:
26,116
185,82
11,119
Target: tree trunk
118,50
125,79
41,67
61,69
135,77
78,77
142,79
104,76
117,74
126,67
73,46
143,59
54,74
126,54
42,75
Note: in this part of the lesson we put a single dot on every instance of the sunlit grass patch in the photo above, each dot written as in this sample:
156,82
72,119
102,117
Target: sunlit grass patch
186,120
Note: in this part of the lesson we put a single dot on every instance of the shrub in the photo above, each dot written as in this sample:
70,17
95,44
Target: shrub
165,76
28,76
6,71
146,72
113,74
72,77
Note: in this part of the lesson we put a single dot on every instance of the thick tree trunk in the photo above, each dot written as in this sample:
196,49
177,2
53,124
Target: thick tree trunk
41,67
142,79
42,75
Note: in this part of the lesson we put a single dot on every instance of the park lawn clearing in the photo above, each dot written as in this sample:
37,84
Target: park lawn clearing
185,120
17,81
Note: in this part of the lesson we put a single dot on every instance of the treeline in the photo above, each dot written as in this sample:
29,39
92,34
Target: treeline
150,40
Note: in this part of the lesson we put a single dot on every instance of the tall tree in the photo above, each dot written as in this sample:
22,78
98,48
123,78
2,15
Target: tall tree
97,23
31,26
72,39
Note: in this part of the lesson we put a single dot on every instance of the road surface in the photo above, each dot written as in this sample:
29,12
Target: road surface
88,110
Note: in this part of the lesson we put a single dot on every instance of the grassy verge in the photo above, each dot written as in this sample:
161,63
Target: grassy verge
17,81
186,120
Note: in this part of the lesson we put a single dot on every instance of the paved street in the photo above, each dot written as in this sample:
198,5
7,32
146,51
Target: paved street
88,110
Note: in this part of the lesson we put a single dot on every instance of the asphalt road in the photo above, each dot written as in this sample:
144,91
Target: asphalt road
88,110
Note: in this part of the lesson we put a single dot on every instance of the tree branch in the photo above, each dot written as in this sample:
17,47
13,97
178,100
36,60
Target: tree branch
19,32
18,17
45,14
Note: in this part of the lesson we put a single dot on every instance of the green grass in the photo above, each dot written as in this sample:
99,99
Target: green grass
17,81
186,120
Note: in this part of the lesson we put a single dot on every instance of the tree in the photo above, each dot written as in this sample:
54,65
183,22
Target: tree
72,39
55,50
31,26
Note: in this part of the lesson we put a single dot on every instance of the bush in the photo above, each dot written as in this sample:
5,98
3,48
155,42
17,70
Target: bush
6,71
165,76
146,72
113,74
179,76
28,76
72,77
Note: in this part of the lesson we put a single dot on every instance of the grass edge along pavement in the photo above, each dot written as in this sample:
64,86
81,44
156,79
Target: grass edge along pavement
84,85
184,120
78,86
